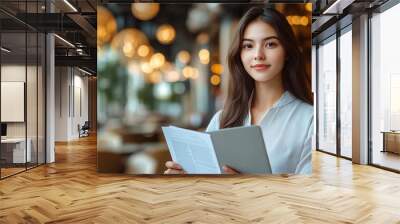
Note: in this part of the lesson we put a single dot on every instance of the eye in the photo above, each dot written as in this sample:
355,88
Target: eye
271,44
246,46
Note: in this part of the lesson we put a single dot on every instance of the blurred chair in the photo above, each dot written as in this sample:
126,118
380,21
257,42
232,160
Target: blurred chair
84,130
150,161
140,163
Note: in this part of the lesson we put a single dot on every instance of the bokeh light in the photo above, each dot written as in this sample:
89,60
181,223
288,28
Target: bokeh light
187,72
146,67
145,11
154,77
195,73
184,56
143,50
204,56
215,80
172,76
128,41
157,60
167,67
106,25
165,34
217,69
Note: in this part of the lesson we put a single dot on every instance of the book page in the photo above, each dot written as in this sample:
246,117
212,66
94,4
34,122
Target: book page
192,150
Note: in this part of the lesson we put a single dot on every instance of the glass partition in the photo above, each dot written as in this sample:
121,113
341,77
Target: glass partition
346,93
22,89
41,109
31,100
13,107
327,96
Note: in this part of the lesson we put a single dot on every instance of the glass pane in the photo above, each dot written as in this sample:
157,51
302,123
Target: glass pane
327,97
13,87
385,89
31,96
346,94
41,99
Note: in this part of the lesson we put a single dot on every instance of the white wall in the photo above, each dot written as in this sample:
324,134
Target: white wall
71,93
61,103
16,73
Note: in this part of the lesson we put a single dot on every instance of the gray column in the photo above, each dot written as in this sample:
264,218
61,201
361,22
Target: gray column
50,92
360,90
50,99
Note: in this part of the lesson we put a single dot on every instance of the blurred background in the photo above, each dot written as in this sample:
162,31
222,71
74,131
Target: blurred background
165,64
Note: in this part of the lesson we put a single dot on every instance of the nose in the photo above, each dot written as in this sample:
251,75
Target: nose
259,54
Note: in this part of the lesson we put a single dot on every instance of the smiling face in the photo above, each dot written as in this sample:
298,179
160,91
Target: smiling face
262,54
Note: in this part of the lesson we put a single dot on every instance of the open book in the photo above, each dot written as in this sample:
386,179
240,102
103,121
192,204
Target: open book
241,148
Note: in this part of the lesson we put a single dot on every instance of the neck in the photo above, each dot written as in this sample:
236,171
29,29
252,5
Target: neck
267,93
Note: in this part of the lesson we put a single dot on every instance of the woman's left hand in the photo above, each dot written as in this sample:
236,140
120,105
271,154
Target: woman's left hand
229,170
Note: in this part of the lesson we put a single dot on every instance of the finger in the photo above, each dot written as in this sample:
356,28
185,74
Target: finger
173,171
173,165
229,170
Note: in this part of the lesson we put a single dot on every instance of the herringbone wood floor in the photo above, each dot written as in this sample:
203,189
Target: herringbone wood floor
70,191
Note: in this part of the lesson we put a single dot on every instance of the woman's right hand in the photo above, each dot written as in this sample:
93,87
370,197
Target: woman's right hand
173,168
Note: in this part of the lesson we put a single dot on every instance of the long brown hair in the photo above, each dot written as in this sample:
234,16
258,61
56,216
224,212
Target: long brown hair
294,76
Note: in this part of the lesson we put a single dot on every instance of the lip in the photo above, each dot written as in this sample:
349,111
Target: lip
260,67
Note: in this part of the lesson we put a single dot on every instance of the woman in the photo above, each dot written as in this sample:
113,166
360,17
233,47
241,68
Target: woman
268,87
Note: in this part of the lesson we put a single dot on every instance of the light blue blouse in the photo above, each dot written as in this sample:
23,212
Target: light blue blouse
287,130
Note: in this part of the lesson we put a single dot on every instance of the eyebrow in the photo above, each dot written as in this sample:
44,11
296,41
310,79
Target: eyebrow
267,38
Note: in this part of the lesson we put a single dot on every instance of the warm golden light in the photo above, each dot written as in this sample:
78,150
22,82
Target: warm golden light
146,67
204,56
187,72
145,11
157,60
289,19
166,67
143,50
190,72
128,41
308,7
106,25
298,20
154,77
195,73
215,80
184,57
165,34
217,68
295,20
127,49
304,21
172,76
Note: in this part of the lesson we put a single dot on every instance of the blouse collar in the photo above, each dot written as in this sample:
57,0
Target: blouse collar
285,99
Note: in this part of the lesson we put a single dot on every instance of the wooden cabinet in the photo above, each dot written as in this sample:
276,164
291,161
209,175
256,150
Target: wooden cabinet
391,141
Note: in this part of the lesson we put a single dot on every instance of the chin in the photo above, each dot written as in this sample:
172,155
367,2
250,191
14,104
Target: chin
263,77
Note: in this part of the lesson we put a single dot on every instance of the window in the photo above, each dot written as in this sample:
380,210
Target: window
385,89
327,96
346,93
